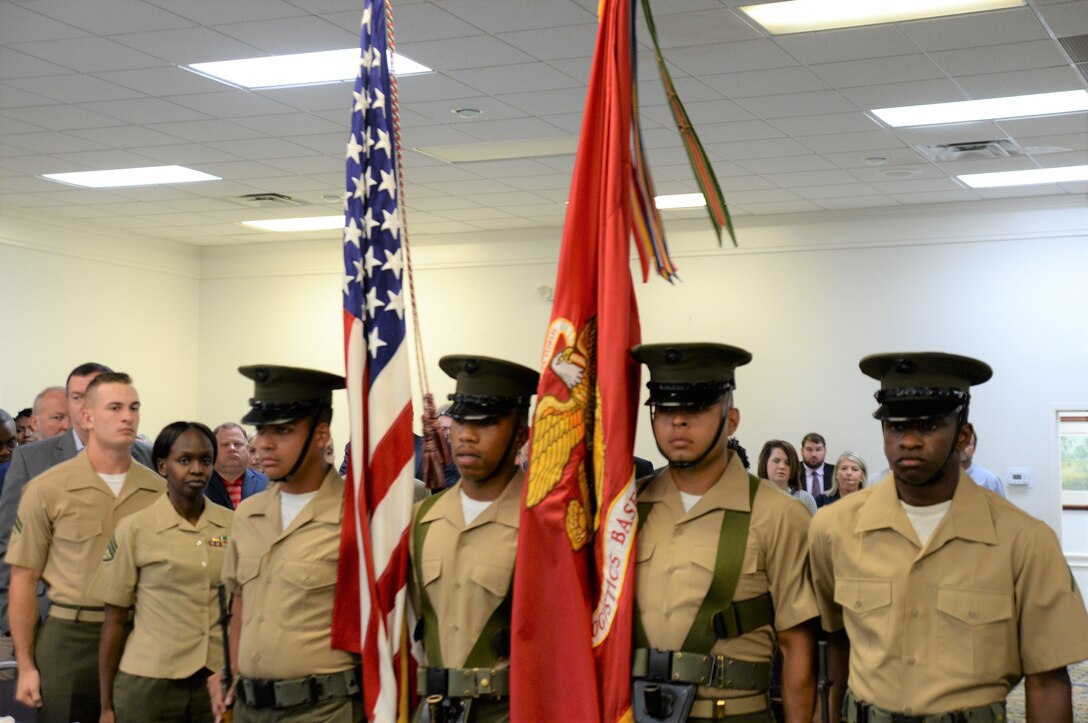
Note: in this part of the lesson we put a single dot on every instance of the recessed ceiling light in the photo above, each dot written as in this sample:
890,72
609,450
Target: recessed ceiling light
467,112
680,200
800,16
1016,106
149,176
1030,177
278,71
287,225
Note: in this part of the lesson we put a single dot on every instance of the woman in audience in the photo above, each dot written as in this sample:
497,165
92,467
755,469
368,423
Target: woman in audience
850,475
778,463
166,560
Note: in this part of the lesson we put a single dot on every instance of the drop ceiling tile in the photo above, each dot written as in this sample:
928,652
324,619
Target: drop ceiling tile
780,207
293,124
842,142
325,143
848,202
578,68
1067,18
572,41
441,111
497,16
1060,160
797,104
702,27
109,17
186,154
26,200
765,82
913,93
793,181
916,185
106,159
433,176
262,148
21,25
712,111
899,172
431,87
300,34
510,170
991,28
89,55
845,189
987,165
813,125
1021,82
16,64
1055,143
417,22
329,96
162,81
1044,189
71,88
464,53
470,187
48,143
1000,58
212,13
786,164
746,150
144,110
896,69
949,133
189,45
517,198
231,103
202,131
703,60
849,44
239,170
9,124
500,224
950,196
520,78
738,131
547,102
60,117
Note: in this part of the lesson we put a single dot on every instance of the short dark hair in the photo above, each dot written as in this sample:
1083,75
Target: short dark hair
85,369
813,437
170,433
230,425
791,457
28,412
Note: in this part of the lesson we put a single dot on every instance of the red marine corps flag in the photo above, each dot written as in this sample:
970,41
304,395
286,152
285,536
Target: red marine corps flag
574,577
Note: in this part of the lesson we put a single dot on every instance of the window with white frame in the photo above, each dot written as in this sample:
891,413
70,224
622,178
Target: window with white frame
1073,457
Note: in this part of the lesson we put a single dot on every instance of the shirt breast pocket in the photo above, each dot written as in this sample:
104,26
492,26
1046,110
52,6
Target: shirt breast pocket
249,566
866,605
492,580
71,536
974,627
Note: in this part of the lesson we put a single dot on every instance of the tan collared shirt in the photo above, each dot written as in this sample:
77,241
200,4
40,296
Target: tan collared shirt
169,568
287,579
467,569
953,624
677,553
66,517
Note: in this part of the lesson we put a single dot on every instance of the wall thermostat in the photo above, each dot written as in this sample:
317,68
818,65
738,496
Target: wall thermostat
1019,477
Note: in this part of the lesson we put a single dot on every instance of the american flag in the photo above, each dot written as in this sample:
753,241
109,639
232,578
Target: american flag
370,601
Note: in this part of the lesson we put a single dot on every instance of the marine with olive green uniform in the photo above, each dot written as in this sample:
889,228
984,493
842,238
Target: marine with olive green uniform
463,570
741,528
172,567
942,623
66,517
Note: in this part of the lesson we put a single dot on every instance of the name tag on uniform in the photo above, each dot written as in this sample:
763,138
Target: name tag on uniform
219,541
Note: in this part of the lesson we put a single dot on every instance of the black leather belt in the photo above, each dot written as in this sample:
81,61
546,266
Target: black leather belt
717,671
858,711
260,693
464,682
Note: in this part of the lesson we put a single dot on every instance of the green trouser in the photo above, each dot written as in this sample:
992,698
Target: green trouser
336,710
66,654
137,699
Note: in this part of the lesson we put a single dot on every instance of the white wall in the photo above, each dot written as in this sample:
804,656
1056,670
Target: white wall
75,295
808,294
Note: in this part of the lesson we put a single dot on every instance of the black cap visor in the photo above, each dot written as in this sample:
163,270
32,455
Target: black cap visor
686,394
263,413
476,407
900,405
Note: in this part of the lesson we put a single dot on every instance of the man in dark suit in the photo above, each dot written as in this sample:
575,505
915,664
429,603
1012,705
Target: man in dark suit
817,474
233,481
30,460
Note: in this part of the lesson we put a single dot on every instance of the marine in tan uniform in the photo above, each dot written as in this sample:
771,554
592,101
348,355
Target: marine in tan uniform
464,541
282,560
66,517
722,574
169,558
939,594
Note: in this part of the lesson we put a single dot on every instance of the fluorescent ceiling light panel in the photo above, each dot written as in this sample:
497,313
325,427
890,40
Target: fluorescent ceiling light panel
680,200
801,16
287,225
118,177
502,150
1030,177
1016,106
277,71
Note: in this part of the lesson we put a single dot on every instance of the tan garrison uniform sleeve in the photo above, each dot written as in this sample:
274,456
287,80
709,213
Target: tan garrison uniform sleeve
32,534
823,572
115,581
230,565
1053,619
788,568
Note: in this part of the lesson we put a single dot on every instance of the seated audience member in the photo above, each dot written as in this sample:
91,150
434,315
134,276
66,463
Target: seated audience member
982,476
233,481
176,642
254,454
816,474
778,463
24,429
850,475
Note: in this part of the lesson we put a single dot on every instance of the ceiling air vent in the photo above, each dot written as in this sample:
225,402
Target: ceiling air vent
971,150
266,200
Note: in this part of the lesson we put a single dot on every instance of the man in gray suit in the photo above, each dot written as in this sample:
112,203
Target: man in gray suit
30,460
